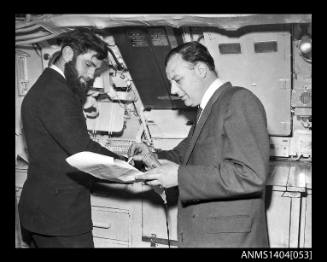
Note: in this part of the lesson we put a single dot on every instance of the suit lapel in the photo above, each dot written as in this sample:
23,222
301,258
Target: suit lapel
205,113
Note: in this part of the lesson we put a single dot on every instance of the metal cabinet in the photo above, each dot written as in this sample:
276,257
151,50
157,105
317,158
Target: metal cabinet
111,226
288,203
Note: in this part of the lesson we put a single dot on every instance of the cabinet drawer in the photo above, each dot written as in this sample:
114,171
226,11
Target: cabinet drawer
111,223
105,243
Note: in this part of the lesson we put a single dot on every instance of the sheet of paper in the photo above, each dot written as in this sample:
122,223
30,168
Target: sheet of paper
104,167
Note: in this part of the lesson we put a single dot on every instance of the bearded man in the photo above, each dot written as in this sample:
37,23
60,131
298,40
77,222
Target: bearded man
55,208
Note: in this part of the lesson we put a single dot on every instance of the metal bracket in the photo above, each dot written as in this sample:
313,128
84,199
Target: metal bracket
154,240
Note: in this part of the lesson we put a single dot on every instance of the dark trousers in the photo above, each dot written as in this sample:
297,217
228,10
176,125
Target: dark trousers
35,240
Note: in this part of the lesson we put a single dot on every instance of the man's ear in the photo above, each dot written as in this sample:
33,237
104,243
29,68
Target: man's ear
67,54
201,69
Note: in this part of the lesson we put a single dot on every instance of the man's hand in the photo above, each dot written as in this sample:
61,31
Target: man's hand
91,105
141,152
166,175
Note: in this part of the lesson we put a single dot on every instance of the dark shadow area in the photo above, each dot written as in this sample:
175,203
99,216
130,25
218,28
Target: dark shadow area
268,197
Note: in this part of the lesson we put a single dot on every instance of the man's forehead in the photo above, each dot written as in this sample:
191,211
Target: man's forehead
174,64
92,56
175,60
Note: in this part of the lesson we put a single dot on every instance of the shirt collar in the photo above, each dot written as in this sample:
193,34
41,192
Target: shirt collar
54,67
210,91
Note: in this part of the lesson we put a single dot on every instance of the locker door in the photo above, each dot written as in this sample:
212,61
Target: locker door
261,62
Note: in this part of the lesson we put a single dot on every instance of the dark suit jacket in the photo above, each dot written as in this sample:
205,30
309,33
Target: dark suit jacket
223,172
55,199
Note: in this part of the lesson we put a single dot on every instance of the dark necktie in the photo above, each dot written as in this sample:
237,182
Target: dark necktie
198,114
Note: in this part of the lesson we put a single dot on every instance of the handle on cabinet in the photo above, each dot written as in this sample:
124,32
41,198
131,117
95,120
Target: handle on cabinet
102,225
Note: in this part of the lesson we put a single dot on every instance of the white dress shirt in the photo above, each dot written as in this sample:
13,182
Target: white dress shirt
54,67
209,93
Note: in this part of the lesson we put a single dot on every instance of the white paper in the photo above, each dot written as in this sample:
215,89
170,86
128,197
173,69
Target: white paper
104,167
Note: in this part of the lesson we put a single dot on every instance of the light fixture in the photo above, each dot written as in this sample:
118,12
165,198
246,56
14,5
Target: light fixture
305,47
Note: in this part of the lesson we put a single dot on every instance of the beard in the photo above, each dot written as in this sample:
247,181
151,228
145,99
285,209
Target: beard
79,88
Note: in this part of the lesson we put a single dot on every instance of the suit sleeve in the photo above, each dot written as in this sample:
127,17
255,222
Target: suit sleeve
243,169
63,119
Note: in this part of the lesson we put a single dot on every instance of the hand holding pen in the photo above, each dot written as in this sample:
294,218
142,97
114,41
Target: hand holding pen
142,152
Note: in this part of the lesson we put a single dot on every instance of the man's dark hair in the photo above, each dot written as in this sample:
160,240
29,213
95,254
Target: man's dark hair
193,52
83,39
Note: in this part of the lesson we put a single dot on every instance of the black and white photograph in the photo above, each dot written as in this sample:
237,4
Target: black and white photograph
164,131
